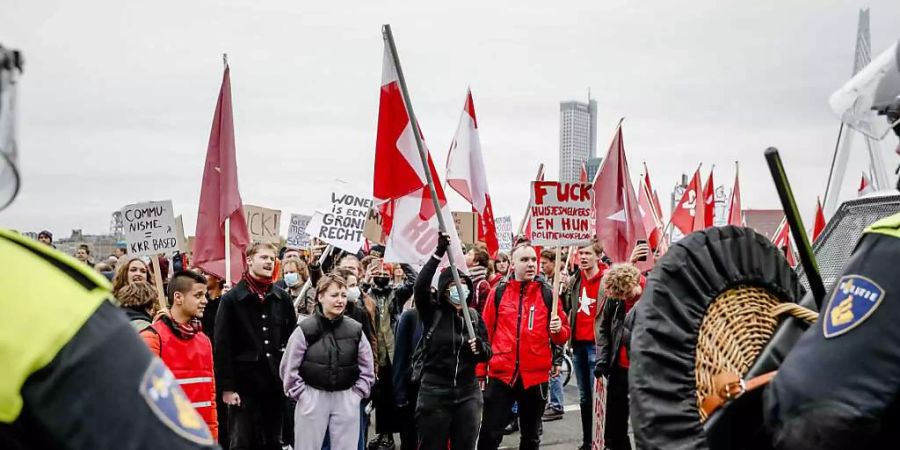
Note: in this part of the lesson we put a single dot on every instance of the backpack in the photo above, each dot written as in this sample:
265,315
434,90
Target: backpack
418,358
546,290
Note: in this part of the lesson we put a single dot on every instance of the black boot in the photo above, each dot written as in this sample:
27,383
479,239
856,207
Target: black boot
587,426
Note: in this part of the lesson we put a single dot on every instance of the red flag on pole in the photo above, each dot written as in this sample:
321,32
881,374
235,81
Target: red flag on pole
782,240
400,185
688,213
467,176
819,224
654,197
652,223
709,201
865,186
735,216
618,217
220,198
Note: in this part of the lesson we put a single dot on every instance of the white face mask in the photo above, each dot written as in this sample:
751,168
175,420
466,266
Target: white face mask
291,279
353,294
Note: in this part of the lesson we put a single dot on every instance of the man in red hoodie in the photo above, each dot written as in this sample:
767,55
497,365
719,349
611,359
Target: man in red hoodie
176,339
521,327
583,303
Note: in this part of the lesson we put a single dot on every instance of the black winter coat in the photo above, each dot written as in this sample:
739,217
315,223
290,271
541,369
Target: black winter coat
448,359
250,338
610,333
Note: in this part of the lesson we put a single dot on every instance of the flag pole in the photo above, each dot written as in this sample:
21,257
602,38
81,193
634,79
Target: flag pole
525,216
389,39
227,219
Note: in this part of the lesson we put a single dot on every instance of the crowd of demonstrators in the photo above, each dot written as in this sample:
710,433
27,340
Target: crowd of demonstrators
328,369
253,324
623,285
521,330
177,339
450,402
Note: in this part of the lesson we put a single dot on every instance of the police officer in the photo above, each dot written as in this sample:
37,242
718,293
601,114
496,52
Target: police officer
839,387
73,373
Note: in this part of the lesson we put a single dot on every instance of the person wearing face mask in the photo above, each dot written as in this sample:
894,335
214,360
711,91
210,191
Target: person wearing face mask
293,278
450,402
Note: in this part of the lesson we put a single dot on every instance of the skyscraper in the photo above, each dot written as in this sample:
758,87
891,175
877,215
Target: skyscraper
577,137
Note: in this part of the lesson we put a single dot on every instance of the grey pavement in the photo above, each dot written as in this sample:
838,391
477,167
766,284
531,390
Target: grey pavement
564,434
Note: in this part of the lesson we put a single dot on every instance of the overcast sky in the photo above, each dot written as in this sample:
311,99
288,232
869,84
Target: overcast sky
117,98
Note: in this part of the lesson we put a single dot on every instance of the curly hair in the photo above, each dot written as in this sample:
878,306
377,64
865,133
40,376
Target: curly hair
137,295
620,280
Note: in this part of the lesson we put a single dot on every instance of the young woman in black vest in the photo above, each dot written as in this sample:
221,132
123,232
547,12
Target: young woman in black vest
450,403
328,369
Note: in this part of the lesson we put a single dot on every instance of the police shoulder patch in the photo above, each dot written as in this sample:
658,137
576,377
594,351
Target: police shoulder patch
173,408
855,299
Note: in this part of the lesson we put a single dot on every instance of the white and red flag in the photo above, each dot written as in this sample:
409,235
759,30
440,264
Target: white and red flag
688,213
865,186
618,217
467,176
819,223
782,240
709,201
652,222
735,215
400,185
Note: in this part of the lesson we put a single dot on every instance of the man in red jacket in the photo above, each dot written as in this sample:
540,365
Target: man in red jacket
520,327
177,339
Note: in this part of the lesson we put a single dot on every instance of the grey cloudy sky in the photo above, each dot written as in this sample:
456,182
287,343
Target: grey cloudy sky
117,97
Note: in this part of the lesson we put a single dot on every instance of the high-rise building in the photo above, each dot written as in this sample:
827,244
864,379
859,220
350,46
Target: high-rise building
577,137
592,166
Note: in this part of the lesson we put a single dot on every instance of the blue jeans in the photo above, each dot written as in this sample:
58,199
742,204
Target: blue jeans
585,357
557,397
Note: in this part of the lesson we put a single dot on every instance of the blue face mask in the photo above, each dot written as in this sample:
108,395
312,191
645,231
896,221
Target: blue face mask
454,294
291,279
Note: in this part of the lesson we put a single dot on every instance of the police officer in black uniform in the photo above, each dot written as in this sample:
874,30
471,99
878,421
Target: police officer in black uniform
73,373
839,387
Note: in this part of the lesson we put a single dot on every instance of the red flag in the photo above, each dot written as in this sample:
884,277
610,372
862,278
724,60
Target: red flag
782,240
658,205
819,224
466,174
735,216
409,219
219,196
688,213
655,198
618,217
582,177
652,222
865,186
709,201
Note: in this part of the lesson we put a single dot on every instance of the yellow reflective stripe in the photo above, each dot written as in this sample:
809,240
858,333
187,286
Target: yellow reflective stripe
889,225
41,309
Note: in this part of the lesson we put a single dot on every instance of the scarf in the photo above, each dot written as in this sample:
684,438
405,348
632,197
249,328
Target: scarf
184,330
477,273
258,287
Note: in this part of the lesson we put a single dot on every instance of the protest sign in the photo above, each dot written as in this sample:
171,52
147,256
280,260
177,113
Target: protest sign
560,213
150,228
263,223
466,226
372,232
504,233
342,224
179,233
296,236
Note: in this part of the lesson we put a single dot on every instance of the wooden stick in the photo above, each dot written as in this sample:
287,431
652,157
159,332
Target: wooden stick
527,214
554,313
157,277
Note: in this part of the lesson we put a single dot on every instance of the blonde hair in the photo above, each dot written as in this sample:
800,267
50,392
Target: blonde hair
255,247
620,280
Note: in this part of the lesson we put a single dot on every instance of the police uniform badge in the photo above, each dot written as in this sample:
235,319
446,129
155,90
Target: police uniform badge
173,408
855,299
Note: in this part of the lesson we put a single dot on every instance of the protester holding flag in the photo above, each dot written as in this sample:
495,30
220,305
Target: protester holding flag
176,338
327,369
450,401
254,322
518,315
582,303
622,286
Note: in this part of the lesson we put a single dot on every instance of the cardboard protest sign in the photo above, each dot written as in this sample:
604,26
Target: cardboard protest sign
466,226
372,232
343,223
504,233
150,228
263,223
179,233
296,236
560,213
